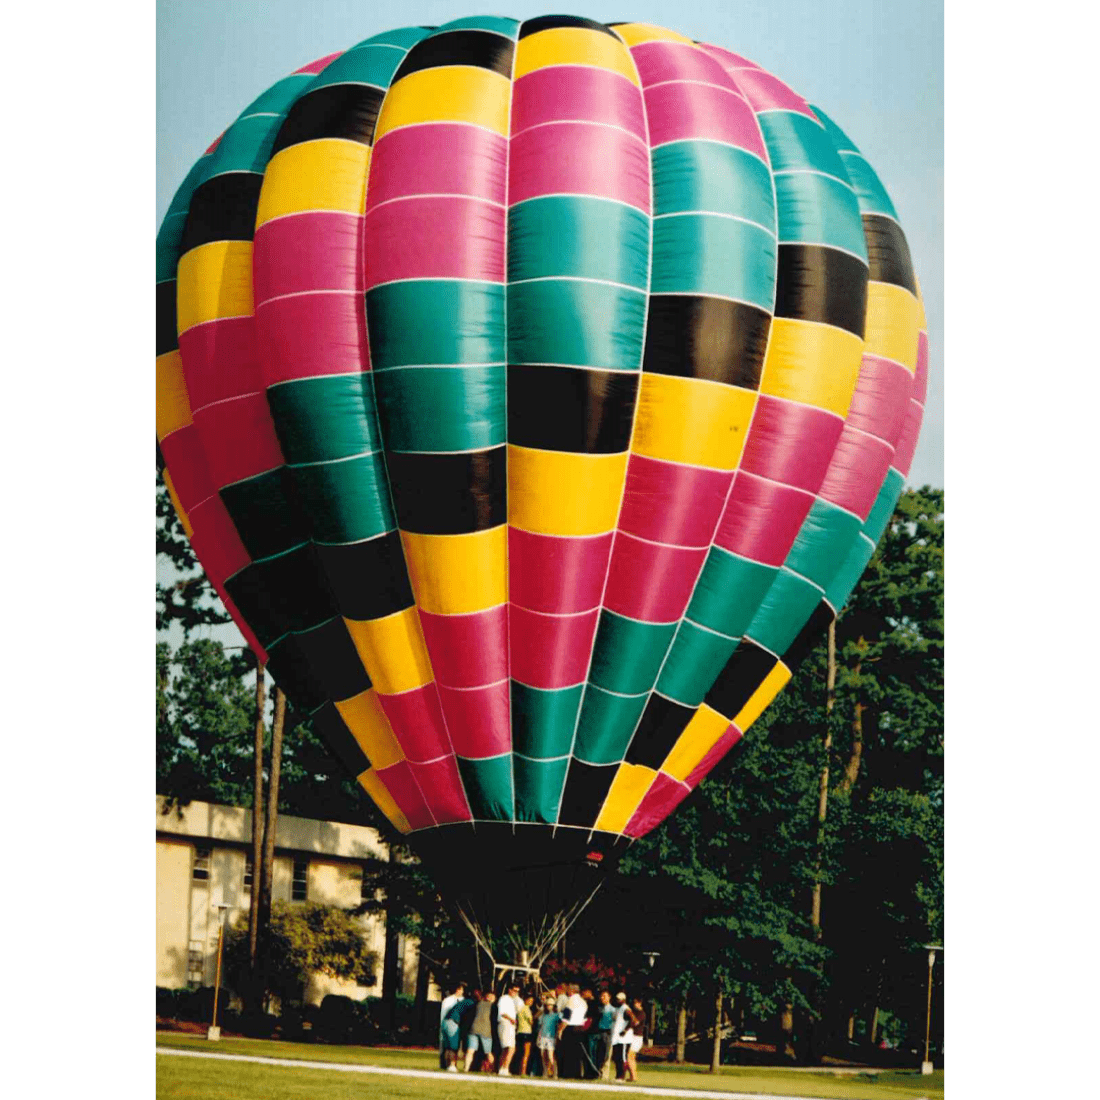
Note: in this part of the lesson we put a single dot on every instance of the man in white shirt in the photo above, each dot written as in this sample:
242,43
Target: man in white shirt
507,1011
450,1001
576,1008
571,1033
621,1035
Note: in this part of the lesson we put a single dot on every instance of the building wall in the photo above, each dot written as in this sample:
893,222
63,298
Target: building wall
173,912
187,917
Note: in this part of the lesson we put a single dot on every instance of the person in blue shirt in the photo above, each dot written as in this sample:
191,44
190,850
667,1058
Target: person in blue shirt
600,1035
451,1022
547,1041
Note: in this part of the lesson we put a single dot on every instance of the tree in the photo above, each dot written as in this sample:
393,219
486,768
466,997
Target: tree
891,638
257,827
261,958
888,829
303,939
205,718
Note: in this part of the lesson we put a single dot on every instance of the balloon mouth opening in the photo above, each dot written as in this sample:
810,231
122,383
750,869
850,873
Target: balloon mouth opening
517,888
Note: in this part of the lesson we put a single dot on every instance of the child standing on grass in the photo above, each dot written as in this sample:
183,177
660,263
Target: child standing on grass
547,1041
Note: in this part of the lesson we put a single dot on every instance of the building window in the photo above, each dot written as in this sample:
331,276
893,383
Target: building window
195,963
298,883
200,869
248,872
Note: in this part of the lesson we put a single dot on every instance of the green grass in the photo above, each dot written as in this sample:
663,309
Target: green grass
178,1078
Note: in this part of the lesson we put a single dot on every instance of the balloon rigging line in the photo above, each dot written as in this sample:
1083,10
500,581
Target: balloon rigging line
541,942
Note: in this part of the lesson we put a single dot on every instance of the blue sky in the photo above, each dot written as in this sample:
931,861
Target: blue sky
876,66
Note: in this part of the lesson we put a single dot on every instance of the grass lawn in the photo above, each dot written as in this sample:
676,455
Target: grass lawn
179,1078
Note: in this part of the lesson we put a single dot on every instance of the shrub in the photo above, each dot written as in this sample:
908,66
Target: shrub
170,1002
198,1005
341,1019
302,940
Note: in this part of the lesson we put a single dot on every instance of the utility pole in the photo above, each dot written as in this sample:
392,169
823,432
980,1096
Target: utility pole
213,1032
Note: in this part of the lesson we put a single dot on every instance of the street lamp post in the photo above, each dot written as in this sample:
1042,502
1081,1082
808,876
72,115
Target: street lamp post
926,1065
213,1032
652,956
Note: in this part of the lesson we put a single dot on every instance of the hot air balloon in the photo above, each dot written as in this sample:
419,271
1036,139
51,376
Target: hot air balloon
534,393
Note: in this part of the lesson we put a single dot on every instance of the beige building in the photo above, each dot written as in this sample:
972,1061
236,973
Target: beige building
204,857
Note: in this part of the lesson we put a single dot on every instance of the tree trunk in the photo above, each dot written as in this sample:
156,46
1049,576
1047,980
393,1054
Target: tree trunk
389,974
681,1031
264,914
390,962
851,771
716,1049
784,1048
255,993
819,840
257,817
872,1026
823,786
423,973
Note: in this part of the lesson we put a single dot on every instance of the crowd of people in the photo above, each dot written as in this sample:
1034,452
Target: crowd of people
570,1033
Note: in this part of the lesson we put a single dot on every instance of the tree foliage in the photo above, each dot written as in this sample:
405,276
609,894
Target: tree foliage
205,722
303,939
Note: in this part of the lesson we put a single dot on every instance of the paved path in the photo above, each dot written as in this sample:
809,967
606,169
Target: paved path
482,1078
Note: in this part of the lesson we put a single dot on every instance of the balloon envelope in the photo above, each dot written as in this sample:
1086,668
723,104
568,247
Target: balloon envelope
534,394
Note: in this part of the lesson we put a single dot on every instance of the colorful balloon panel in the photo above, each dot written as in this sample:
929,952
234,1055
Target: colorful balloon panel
534,394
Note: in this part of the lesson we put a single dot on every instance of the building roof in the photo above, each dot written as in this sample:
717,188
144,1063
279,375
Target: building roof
232,825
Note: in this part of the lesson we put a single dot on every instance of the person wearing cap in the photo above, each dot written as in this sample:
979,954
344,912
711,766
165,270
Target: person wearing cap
507,1014
548,1035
